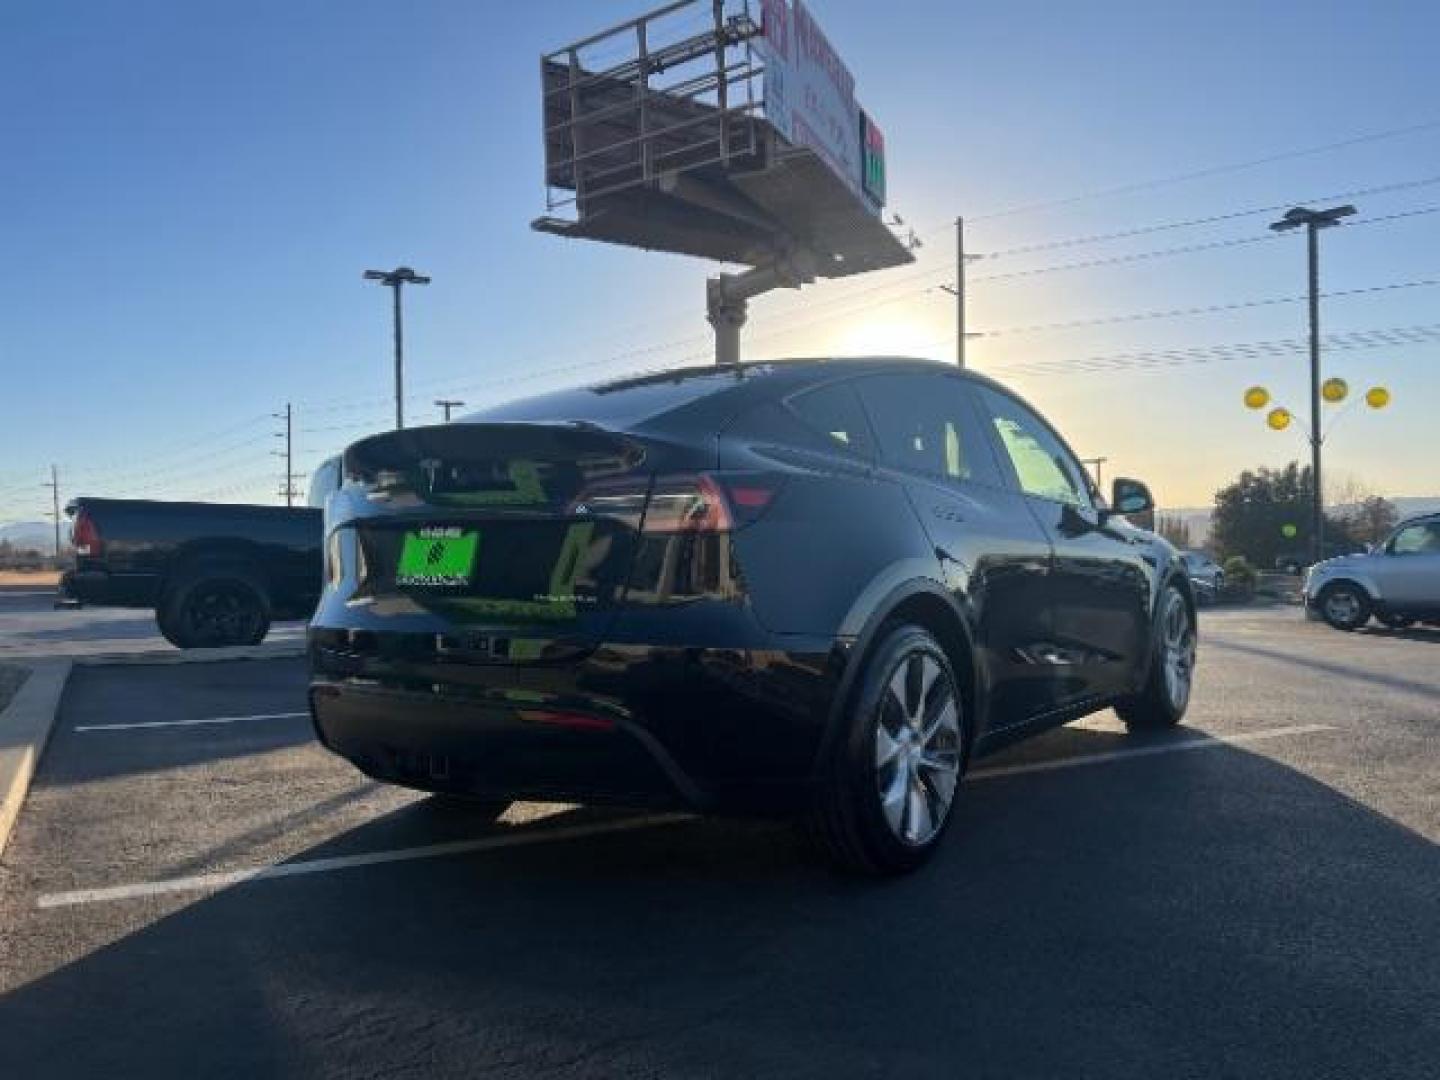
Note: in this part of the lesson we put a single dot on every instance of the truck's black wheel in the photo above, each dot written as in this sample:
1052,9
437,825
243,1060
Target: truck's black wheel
213,606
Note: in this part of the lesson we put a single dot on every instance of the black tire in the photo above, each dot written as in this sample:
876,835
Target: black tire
1345,605
1394,621
212,606
1166,695
850,822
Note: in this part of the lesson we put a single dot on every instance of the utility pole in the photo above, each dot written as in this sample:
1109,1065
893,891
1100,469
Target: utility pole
447,404
395,280
958,291
287,487
54,486
1099,465
1314,221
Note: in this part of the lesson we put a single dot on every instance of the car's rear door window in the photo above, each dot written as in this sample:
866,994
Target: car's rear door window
834,412
927,424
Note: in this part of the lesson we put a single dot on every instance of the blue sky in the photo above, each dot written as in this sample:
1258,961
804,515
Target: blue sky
189,193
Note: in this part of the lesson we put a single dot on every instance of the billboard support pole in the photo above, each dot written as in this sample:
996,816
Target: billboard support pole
727,297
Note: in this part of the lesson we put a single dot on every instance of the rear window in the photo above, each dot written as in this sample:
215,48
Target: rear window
834,412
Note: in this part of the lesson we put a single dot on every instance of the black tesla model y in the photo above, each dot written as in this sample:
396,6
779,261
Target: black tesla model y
813,587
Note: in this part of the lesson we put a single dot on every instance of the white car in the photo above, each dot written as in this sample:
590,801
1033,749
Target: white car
1397,581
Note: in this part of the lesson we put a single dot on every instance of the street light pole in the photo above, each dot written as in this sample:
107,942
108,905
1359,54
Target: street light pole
1313,221
447,404
395,280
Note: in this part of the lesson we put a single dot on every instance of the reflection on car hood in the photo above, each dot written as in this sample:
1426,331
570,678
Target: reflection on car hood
1340,562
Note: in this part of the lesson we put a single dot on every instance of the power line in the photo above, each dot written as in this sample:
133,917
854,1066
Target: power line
1206,309
1186,249
1199,174
1387,337
1164,226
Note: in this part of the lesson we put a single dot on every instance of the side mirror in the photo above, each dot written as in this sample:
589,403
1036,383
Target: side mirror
1130,497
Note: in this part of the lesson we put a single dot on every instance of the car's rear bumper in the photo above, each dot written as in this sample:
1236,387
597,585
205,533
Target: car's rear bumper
104,588
623,723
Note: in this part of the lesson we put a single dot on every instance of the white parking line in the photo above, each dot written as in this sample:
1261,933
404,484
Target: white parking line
1208,742
521,837
190,723
517,838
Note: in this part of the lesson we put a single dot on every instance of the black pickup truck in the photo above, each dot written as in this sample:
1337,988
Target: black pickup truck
214,573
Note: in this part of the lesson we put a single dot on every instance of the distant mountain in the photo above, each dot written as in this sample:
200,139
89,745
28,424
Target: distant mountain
30,535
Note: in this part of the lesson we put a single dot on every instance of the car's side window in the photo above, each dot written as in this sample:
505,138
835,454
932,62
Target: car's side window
926,424
834,412
1043,466
1419,539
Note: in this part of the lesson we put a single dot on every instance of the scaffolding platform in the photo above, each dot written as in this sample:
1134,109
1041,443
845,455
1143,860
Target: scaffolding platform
656,137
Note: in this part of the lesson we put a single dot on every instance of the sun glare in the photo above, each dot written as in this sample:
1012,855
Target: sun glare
894,336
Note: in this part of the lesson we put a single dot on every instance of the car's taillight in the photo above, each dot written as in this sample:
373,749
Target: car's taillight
681,503
85,536
686,504
708,502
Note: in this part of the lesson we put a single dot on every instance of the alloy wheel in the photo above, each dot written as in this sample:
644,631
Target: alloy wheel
1342,606
1177,649
918,747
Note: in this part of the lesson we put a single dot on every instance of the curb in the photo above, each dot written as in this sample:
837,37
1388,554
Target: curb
24,730
193,656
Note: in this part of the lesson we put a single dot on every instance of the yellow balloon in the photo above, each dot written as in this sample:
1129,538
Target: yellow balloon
1377,397
1257,397
1278,419
1335,390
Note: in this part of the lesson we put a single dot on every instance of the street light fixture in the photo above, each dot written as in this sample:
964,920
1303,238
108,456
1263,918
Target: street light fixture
1313,221
397,279
447,404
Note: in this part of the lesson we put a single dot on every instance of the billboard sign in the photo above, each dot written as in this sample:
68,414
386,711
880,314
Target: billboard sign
810,98
872,160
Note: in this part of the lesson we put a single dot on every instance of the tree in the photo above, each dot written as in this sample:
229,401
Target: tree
1372,519
1265,513
1174,529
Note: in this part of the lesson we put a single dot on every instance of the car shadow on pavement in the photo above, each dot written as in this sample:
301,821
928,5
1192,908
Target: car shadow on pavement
1197,914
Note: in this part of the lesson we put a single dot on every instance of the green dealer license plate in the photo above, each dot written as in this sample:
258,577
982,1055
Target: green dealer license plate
438,557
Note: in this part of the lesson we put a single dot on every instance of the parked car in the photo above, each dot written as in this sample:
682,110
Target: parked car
1295,563
819,587
214,573
1207,577
1397,581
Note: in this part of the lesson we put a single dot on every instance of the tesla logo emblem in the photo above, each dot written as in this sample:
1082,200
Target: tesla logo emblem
581,509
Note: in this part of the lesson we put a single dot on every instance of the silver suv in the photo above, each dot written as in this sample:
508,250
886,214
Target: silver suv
1397,581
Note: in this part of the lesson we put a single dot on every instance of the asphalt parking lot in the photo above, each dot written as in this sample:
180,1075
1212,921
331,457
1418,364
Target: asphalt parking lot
196,888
